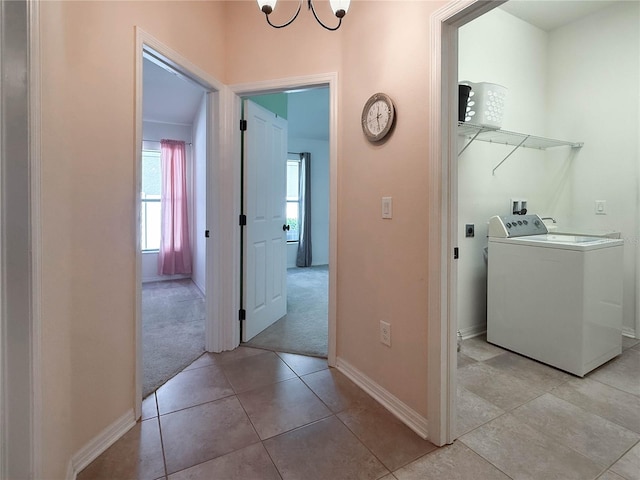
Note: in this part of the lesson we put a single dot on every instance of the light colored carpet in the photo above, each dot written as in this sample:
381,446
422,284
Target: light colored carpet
304,329
172,330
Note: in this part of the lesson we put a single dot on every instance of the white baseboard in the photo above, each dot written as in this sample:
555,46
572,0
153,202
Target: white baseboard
473,331
480,329
199,287
164,278
99,444
399,409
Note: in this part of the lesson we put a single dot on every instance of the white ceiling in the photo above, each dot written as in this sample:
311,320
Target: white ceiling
551,14
170,98
167,96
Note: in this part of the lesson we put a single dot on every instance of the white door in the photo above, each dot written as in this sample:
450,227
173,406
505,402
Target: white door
265,240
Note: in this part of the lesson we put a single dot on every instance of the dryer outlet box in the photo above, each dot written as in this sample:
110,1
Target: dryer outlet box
469,230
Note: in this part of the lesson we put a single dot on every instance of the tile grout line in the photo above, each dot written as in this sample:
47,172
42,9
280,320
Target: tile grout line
164,458
368,449
620,457
235,394
614,387
595,414
486,459
331,414
270,457
335,414
606,468
262,441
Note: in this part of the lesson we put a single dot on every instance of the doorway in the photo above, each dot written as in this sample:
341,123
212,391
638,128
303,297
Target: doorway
328,81
304,328
443,323
173,305
453,315
204,285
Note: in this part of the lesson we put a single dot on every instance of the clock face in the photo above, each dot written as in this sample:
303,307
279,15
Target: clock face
378,116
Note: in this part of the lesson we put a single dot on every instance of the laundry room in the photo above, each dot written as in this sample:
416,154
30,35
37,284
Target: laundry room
574,79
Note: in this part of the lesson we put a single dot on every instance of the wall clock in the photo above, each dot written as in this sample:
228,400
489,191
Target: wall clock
378,117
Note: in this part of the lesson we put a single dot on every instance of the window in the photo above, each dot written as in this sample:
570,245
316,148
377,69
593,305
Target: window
150,198
293,199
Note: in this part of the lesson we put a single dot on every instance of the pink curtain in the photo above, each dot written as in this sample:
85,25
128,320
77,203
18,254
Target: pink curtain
175,252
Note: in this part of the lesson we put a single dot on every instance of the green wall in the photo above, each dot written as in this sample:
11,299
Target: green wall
274,102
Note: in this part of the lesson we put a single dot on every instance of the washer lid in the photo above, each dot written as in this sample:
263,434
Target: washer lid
567,242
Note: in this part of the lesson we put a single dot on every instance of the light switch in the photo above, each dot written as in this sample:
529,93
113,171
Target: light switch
387,207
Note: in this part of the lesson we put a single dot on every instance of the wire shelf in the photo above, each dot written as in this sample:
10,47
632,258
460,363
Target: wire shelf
505,137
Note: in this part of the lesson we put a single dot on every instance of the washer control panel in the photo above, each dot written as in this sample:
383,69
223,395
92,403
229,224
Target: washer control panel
507,226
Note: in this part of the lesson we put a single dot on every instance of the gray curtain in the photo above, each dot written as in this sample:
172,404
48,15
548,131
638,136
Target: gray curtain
304,214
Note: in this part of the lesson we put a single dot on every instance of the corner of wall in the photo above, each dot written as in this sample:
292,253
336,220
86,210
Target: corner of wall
393,404
101,442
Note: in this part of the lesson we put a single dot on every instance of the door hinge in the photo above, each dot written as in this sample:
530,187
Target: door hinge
243,220
243,125
456,253
206,234
242,314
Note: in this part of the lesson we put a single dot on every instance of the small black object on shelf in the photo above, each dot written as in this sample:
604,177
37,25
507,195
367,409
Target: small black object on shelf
463,97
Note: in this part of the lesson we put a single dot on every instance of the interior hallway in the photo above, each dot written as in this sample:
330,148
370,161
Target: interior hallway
252,414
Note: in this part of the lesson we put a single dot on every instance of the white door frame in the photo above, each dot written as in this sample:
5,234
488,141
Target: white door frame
276,86
20,332
443,214
215,279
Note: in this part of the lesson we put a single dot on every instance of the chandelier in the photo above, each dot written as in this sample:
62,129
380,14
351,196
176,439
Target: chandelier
339,8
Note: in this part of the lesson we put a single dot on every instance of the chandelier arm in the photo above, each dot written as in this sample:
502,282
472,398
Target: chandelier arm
284,24
313,10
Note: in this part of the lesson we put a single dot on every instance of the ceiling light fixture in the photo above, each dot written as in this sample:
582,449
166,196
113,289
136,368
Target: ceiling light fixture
339,8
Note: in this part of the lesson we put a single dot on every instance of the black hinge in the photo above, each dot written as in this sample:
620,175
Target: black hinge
455,253
242,314
243,125
206,234
243,220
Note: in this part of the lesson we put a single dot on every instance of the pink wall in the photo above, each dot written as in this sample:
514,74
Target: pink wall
88,190
382,273
258,52
88,185
382,264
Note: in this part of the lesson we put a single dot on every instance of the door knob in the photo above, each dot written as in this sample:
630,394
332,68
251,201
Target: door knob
285,227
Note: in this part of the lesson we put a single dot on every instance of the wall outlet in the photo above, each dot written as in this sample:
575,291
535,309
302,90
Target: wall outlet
385,333
601,207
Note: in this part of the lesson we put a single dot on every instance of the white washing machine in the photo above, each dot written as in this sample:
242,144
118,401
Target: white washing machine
552,297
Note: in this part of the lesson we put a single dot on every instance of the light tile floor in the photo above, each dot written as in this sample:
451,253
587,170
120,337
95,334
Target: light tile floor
253,414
